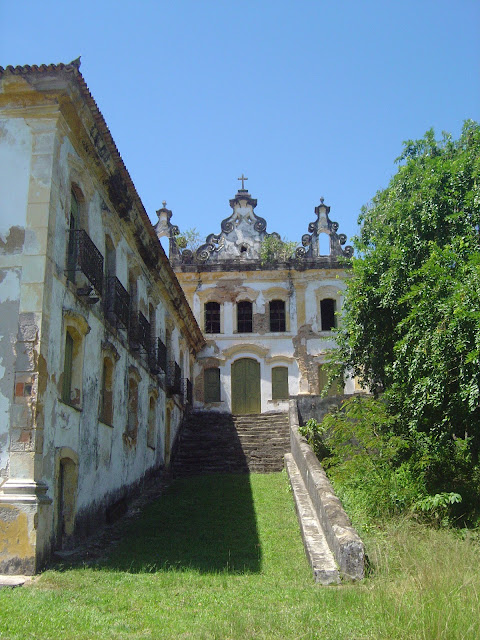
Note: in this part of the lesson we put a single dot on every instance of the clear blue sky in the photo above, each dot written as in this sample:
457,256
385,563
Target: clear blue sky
307,98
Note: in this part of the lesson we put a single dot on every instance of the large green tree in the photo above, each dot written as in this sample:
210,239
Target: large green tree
411,325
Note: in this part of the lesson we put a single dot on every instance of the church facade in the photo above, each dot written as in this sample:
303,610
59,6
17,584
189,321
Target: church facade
267,316
105,343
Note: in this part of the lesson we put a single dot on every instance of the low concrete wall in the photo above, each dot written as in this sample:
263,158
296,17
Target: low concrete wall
317,407
342,538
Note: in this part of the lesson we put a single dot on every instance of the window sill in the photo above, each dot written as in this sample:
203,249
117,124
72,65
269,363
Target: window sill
72,406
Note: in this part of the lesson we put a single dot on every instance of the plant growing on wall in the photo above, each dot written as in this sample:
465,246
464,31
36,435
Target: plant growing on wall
273,249
189,239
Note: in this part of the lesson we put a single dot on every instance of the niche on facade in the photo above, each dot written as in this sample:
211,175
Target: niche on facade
131,428
76,328
66,499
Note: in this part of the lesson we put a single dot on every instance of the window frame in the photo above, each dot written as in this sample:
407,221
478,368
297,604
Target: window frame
327,316
280,388
214,374
245,323
278,316
212,308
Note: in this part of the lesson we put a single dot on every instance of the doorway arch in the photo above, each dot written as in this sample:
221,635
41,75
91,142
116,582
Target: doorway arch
245,378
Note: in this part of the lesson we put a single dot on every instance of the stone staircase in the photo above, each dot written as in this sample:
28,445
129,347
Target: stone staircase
222,443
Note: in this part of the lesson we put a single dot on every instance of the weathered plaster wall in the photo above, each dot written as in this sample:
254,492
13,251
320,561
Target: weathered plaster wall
301,348
58,461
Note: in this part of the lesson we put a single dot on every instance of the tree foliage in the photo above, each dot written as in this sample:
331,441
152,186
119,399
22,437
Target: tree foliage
411,325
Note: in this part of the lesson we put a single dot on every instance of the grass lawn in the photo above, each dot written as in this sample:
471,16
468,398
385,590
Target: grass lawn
221,557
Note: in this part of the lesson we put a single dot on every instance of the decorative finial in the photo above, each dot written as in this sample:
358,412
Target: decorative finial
164,203
243,180
321,200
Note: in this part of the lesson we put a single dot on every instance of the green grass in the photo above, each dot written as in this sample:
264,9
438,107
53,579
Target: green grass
221,557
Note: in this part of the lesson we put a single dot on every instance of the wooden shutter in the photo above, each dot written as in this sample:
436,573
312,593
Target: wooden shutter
67,369
336,388
279,383
211,390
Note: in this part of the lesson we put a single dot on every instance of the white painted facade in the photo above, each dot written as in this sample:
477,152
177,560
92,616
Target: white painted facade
66,360
228,269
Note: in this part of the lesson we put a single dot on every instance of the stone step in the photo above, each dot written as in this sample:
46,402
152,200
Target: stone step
212,443
324,567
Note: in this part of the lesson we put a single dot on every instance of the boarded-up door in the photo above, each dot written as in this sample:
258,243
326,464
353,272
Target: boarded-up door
246,386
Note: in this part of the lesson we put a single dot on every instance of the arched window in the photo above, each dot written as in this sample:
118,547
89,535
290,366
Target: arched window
132,408
72,368
212,317
106,395
152,419
277,315
279,383
73,226
76,328
244,317
327,314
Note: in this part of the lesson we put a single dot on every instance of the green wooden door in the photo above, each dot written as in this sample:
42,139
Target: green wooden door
245,386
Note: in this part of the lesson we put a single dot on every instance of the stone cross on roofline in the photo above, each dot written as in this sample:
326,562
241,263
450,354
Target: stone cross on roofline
243,181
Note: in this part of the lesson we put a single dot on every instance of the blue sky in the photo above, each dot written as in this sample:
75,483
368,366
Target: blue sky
307,98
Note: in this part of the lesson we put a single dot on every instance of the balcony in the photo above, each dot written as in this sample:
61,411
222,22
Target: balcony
174,378
118,303
140,333
187,391
162,355
84,257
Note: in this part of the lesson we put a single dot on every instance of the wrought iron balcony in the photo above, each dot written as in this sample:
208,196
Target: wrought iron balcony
84,256
140,333
118,302
162,355
187,391
174,378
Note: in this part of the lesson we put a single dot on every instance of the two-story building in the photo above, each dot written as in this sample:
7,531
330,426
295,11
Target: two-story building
267,319
97,340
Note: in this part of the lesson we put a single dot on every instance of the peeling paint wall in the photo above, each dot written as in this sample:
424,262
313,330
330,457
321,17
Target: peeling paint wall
62,469
230,276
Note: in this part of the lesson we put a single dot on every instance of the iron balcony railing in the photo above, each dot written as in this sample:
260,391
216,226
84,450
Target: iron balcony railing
84,256
174,378
140,333
118,302
162,355
187,391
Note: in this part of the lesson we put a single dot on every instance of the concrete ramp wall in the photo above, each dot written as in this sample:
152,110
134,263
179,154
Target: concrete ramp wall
343,540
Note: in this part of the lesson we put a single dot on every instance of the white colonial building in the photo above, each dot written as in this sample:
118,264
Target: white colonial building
97,341
267,320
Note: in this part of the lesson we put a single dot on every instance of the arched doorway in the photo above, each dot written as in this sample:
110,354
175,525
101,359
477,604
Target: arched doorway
168,419
246,386
66,502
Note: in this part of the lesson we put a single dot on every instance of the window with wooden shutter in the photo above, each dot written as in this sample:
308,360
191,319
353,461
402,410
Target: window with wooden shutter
279,383
211,392
335,389
67,369
72,245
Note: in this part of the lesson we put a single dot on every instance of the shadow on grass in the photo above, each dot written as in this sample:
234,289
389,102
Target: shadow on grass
205,523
